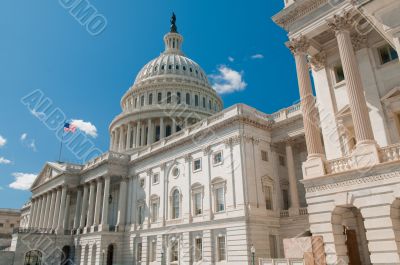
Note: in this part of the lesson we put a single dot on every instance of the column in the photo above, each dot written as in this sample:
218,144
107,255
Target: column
40,214
47,210
143,138
162,128
187,192
62,209
78,208
121,139
112,141
84,206
299,48
32,213
106,194
342,25
294,193
92,191
149,132
275,172
128,137
51,212
42,210
134,136
66,212
122,203
37,213
56,209
173,129
138,134
97,209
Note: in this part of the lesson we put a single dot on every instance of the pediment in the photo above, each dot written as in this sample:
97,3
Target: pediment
48,172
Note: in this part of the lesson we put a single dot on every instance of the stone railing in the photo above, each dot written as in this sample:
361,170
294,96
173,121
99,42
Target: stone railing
286,113
287,213
284,213
303,211
390,153
281,262
105,157
338,165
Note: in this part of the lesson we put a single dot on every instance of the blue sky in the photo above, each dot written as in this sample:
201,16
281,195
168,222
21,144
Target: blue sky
43,47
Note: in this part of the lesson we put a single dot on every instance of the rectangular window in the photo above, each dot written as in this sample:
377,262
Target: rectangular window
154,211
139,252
339,74
387,54
178,97
174,252
141,183
1,225
268,197
140,215
220,200
142,101
153,250
282,161
156,178
197,204
196,100
168,97
159,98
151,99
221,248
198,248
285,196
264,155
273,246
197,164
217,158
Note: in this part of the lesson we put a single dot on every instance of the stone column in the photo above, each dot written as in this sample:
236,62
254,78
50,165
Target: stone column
112,141
187,192
122,204
97,209
62,209
149,132
51,212
66,212
106,194
42,211
84,206
294,193
32,213
121,139
138,129
162,128
134,136
89,221
128,137
143,134
78,208
46,210
56,209
275,172
315,161
173,129
37,213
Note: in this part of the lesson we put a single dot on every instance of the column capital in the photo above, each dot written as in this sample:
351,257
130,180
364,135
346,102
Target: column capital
298,45
207,150
318,61
188,157
359,41
341,22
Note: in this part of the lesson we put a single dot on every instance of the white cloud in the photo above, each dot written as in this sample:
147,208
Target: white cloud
4,161
23,181
257,56
3,141
23,136
231,59
32,145
86,127
228,80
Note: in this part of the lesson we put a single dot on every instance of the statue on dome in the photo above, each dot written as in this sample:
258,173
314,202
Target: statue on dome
174,29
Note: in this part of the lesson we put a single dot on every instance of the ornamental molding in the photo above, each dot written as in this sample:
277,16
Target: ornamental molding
298,45
318,61
341,22
358,40
359,179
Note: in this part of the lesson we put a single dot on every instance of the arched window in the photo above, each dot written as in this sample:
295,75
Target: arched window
175,204
159,97
168,97
196,100
142,100
209,104
167,130
110,254
33,257
187,98
66,257
178,97
204,102
151,99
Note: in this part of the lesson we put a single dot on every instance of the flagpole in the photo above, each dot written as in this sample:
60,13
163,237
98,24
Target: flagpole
61,144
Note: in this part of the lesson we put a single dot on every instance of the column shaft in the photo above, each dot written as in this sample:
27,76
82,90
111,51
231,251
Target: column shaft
294,193
106,194
78,208
32,213
56,209
91,205
128,137
62,209
66,212
149,132
121,139
122,203
84,206
51,212
138,134
162,128
97,209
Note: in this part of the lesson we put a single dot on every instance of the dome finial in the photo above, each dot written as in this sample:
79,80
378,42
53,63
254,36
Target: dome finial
174,29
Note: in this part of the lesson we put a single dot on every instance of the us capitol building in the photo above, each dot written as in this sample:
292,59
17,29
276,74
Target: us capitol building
188,182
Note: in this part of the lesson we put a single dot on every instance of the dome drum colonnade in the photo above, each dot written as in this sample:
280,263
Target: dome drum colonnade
170,93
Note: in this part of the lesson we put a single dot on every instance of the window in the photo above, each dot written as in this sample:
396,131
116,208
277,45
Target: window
285,196
139,252
177,67
197,165
187,98
221,248
153,250
136,102
1,225
178,97
264,155
282,161
273,246
174,252
168,130
339,74
197,201
184,68
175,204
198,249
217,158
156,178
151,99
268,197
209,104
159,97
12,225
196,100
169,67
175,172
142,100
220,199
141,183
168,97
140,214
387,54
154,211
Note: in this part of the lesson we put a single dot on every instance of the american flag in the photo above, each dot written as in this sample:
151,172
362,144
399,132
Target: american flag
68,127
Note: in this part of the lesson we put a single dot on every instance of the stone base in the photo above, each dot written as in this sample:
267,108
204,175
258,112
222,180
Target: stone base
294,211
104,228
313,167
365,155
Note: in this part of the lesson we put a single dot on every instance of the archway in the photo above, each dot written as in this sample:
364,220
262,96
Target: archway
33,257
110,254
66,256
93,256
395,217
350,236
86,255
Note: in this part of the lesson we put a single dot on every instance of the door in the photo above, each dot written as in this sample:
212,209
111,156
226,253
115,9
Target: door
352,247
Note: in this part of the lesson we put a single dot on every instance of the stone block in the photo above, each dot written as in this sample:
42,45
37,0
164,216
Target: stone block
294,248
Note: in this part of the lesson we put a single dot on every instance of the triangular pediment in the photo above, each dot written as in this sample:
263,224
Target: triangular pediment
393,93
49,171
